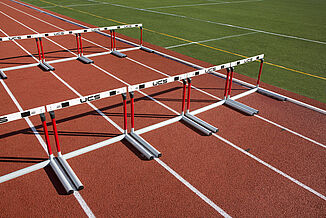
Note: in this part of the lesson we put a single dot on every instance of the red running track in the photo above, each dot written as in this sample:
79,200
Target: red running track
116,180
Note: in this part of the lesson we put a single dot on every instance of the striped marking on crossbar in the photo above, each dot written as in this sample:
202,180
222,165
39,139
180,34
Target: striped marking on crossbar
20,115
61,33
193,73
85,99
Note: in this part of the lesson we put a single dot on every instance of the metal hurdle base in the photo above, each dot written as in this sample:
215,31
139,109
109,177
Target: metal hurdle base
85,60
118,54
70,173
271,94
66,175
146,49
45,66
146,145
2,75
197,126
147,154
241,107
201,122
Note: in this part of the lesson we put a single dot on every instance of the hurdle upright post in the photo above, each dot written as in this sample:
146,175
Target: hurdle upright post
184,96
141,36
81,45
38,49
188,97
226,82
132,111
43,59
124,98
55,130
77,40
230,83
46,134
260,70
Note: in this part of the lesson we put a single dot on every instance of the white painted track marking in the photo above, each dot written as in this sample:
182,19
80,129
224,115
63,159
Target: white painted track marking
192,188
271,167
83,204
209,40
204,4
81,201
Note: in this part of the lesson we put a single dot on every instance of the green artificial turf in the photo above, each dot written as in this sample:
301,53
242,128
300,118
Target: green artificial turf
298,18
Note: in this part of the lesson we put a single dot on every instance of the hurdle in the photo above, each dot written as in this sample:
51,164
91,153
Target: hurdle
52,162
45,65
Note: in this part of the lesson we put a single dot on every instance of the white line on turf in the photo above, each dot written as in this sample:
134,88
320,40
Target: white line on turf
222,24
209,40
192,188
82,202
283,174
271,167
311,140
204,4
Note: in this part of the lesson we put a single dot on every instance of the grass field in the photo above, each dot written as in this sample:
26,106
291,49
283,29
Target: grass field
291,33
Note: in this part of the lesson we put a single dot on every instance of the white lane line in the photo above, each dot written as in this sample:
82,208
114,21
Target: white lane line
192,188
209,40
272,168
275,169
83,202
291,131
222,24
204,4
77,196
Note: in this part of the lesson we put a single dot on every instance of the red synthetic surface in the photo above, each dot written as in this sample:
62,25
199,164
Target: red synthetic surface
120,183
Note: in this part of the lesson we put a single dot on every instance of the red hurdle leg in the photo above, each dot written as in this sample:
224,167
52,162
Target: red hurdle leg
230,84
141,36
77,40
188,97
114,45
46,133
38,49
124,97
55,132
111,36
260,70
43,59
226,82
132,111
81,45
184,96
